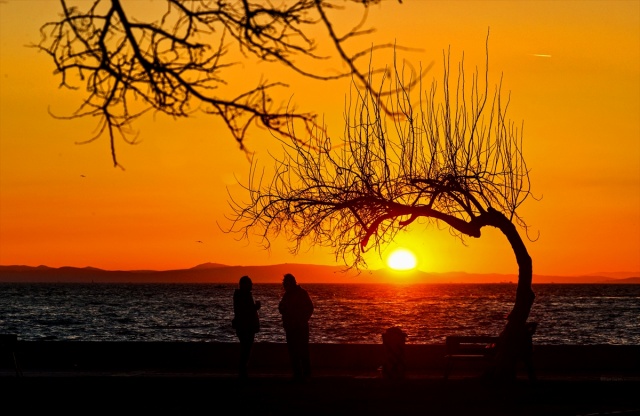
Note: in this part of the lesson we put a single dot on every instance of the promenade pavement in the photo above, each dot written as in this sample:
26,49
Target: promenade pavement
91,378
327,392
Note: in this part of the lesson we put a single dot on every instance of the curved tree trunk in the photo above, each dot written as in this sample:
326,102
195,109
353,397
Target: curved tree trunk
513,345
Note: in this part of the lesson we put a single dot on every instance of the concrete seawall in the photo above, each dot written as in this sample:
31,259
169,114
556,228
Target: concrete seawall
78,377
212,356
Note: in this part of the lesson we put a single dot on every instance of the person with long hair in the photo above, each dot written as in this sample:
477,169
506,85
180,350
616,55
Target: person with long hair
245,321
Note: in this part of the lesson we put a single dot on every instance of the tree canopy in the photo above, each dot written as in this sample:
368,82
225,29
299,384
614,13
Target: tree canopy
176,57
450,157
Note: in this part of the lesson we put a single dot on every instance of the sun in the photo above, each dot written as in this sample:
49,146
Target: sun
402,259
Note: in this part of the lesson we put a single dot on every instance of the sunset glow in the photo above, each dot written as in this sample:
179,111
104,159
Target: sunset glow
571,71
402,259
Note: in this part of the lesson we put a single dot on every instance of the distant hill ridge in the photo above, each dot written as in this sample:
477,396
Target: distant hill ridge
305,273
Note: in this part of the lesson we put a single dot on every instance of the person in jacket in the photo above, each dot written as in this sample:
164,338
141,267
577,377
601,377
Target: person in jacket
245,321
296,309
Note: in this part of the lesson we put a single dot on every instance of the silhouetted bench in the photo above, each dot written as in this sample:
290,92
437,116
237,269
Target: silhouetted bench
483,348
8,344
470,347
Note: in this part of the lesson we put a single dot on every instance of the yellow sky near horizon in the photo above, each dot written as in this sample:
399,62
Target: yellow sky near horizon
572,68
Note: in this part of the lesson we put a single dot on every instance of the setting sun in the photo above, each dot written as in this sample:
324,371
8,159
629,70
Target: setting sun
402,259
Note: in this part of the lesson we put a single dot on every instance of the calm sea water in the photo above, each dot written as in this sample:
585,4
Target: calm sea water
345,313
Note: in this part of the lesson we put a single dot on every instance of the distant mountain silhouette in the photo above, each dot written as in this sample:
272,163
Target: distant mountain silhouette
305,273
208,266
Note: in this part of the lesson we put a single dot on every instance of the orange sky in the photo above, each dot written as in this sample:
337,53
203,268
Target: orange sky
64,204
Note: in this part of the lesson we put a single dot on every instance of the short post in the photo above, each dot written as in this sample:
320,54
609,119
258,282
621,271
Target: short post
393,340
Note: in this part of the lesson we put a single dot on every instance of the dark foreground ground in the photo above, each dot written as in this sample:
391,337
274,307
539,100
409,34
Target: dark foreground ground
186,394
184,379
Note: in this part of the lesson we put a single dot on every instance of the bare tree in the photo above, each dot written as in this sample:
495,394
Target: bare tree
178,62
452,159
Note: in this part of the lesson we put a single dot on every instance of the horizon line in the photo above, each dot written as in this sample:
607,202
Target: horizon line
621,274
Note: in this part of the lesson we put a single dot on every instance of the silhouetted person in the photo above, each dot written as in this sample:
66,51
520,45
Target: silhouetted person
296,309
245,321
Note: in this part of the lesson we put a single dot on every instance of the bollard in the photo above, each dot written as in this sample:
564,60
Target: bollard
393,340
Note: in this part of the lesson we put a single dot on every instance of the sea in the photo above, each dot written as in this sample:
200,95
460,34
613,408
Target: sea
344,313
